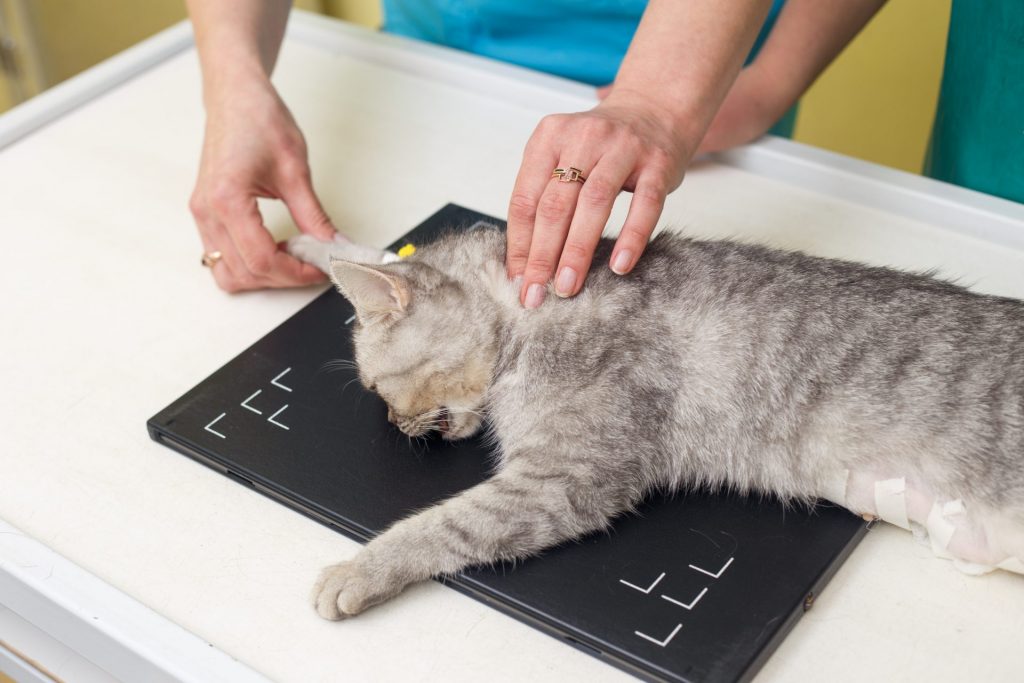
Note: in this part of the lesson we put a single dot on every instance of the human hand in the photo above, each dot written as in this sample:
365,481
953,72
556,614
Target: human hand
253,148
627,142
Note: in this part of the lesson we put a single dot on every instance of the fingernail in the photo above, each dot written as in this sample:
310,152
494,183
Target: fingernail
534,295
566,282
621,261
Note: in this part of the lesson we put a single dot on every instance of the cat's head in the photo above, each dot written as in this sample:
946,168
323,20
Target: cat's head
424,342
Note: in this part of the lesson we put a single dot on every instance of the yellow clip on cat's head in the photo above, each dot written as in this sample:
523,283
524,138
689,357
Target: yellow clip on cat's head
407,250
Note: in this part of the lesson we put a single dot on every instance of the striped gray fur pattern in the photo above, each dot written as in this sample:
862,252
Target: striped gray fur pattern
713,364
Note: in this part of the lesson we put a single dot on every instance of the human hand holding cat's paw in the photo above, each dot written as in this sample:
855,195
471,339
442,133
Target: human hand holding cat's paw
253,148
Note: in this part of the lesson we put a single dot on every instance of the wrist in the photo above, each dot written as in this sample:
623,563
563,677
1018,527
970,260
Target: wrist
227,71
228,86
674,118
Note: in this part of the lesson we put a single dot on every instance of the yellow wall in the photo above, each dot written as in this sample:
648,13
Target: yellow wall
365,12
875,102
75,34
5,103
31,80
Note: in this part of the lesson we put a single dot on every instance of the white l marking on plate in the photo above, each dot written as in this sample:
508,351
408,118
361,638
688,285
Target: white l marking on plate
245,403
661,643
720,571
271,419
684,605
278,384
644,590
210,429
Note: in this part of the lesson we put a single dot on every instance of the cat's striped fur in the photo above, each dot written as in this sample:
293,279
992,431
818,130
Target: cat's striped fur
711,364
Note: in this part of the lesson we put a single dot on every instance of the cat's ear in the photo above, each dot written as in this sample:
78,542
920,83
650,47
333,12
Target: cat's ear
377,294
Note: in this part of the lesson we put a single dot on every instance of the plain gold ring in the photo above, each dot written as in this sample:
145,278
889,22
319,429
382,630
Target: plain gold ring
210,258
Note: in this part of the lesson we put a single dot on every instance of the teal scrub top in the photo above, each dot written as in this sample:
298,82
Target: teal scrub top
577,39
978,136
581,40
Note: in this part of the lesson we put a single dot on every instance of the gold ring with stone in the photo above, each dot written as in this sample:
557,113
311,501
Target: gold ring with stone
210,258
569,175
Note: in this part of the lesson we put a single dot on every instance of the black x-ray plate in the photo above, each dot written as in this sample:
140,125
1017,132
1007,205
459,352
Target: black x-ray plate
696,587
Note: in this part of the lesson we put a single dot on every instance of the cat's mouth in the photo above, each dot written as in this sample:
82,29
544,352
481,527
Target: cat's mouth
449,424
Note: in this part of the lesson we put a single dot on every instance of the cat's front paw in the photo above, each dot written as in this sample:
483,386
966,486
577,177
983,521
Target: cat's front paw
311,250
344,590
461,424
315,252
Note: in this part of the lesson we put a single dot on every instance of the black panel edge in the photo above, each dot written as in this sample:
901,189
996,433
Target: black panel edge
829,571
466,586
458,582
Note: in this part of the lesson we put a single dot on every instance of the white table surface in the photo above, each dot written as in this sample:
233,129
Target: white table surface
107,317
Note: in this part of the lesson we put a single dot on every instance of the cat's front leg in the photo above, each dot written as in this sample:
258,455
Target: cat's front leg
517,513
319,253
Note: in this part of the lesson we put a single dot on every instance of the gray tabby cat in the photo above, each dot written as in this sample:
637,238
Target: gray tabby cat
712,364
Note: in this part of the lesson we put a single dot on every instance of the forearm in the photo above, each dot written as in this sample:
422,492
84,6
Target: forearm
252,148
808,35
236,40
685,56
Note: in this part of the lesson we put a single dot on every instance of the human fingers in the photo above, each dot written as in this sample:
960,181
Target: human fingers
222,258
231,272
304,206
555,210
228,269
539,159
232,275
644,210
593,207
240,216
266,262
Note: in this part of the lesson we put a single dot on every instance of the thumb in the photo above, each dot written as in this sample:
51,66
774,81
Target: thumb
307,212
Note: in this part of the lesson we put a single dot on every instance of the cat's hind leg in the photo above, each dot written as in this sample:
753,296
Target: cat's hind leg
515,514
977,539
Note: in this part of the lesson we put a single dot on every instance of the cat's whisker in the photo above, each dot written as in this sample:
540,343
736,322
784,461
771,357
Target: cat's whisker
354,379
478,413
338,365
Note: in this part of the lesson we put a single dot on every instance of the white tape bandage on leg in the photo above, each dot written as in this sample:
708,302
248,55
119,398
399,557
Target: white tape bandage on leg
940,529
834,488
891,501
1013,564
976,540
